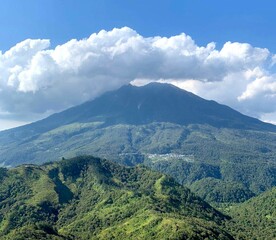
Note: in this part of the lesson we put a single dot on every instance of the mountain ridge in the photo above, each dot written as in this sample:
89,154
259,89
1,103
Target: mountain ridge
92,198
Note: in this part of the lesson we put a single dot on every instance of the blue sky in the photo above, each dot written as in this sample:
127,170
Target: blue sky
226,52
206,21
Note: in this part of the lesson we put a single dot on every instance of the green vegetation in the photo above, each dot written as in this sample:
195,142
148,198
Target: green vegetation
256,218
91,198
217,191
242,162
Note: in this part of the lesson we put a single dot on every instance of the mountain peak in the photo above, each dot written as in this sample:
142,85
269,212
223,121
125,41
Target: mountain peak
152,86
154,102
161,102
155,86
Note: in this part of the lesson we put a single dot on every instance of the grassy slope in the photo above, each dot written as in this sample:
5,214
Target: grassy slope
89,198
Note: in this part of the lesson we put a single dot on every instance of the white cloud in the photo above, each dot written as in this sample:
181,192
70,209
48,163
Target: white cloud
37,80
6,124
269,117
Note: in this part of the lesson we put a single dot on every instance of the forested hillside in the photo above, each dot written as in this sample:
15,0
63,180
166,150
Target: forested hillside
240,161
91,198
256,218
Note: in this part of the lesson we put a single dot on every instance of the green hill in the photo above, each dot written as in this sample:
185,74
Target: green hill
91,198
217,191
256,218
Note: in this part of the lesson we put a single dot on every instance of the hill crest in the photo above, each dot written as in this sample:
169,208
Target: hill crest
92,198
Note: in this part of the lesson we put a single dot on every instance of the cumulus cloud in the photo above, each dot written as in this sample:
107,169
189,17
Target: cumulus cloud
37,80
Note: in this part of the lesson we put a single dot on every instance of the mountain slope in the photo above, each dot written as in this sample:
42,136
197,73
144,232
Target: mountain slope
90,198
129,105
157,102
241,161
154,102
256,218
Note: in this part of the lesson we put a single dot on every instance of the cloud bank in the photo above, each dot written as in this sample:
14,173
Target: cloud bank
37,80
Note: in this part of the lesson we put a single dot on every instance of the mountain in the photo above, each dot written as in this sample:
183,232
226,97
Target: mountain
196,141
92,198
255,218
154,102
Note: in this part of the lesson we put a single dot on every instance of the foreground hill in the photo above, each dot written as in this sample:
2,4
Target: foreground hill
256,218
198,142
91,198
